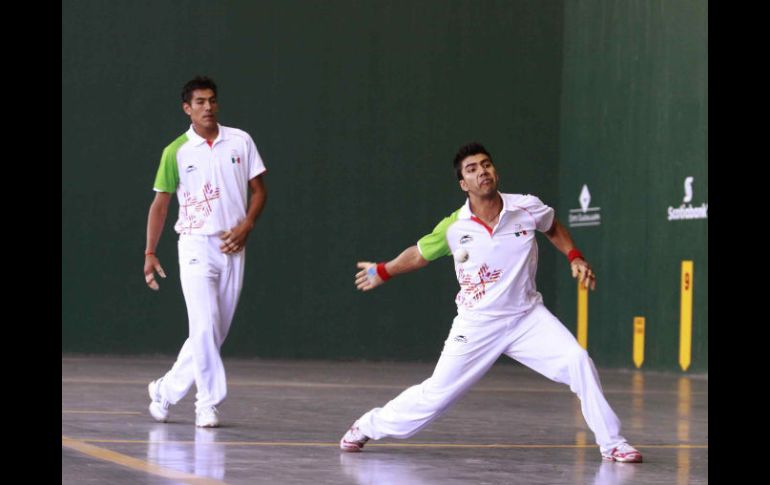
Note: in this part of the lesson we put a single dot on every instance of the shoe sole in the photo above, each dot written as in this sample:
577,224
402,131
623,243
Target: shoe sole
622,460
350,448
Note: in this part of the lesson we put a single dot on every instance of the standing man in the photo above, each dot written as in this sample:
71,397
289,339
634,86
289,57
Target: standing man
499,310
213,169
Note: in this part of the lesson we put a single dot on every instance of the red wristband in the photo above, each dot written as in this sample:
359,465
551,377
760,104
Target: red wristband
382,272
574,254
147,253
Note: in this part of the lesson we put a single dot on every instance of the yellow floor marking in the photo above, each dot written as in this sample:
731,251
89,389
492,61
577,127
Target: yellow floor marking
130,462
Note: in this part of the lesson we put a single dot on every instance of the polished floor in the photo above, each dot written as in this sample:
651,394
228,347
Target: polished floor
282,421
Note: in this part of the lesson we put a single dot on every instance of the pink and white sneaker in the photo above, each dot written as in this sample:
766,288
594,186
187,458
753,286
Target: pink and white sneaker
354,440
623,453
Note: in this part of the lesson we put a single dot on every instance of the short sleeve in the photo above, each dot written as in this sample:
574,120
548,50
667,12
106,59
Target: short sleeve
167,177
542,213
434,245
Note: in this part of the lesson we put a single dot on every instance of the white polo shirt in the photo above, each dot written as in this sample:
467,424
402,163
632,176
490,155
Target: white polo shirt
211,182
498,279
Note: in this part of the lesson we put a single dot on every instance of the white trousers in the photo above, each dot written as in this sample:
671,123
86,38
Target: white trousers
537,339
211,283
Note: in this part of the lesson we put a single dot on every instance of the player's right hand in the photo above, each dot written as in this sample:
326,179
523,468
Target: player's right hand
152,264
367,279
583,272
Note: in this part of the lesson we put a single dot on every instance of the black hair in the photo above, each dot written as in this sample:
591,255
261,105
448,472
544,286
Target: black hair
472,148
198,82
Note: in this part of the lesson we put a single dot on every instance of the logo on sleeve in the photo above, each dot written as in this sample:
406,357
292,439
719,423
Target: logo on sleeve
466,239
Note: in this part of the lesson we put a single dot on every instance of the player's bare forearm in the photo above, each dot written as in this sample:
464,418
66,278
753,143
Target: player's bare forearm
155,220
409,260
257,200
560,237
235,239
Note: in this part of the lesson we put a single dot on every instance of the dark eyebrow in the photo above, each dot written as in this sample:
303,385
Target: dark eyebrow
477,163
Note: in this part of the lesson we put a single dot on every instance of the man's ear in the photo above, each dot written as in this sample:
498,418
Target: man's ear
187,109
463,186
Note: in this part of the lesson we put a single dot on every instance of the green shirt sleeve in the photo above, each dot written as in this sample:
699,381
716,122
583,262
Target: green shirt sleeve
434,245
167,178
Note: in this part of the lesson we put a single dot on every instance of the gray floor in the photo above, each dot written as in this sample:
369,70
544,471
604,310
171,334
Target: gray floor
282,421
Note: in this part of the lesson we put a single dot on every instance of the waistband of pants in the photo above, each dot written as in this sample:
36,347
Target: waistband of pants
480,319
198,237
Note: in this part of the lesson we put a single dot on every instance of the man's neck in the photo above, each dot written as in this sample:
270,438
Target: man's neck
486,208
208,135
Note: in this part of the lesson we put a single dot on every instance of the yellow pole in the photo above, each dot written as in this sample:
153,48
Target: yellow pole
582,316
638,341
685,316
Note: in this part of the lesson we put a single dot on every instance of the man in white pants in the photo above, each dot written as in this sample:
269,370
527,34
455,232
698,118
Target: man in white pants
499,310
212,169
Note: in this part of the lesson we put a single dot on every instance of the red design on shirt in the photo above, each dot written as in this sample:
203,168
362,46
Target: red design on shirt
195,211
473,291
209,194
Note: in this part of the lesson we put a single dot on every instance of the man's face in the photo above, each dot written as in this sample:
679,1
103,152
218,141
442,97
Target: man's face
202,109
479,175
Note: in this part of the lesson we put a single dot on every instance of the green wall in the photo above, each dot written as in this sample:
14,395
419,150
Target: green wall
357,109
634,127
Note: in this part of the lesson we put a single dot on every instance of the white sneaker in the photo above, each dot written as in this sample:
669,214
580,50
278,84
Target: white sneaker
623,453
354,440
207,418
158,406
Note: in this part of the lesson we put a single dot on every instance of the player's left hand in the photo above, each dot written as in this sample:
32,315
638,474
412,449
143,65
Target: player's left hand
583,272
367,279
152,266
234,240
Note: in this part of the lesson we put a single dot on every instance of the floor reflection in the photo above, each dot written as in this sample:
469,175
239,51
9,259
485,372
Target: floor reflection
613,473
637,400
684,408
373,469
173,449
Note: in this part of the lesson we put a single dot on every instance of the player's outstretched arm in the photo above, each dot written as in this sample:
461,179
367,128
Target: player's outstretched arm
560,237
372,275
